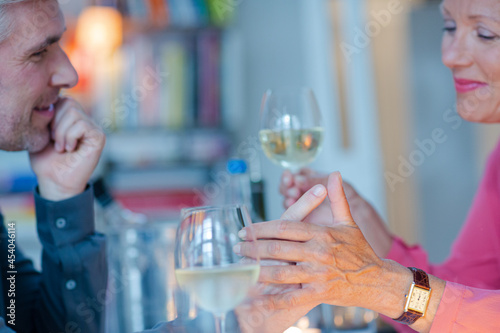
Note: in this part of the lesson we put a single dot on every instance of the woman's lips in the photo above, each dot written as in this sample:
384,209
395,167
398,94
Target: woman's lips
464,85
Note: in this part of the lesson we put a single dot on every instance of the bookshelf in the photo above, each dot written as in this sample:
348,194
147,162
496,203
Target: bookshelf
163,102
153,154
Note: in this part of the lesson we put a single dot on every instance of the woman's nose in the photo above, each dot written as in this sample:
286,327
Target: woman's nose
455,51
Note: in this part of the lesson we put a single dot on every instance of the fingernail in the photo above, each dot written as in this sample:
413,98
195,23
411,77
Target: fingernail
242,233
293,192
237,249
68,148
57,146
287,180
318,190
300,179
340,177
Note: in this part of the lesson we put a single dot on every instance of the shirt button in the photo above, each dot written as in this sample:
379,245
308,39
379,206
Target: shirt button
60,223
70,284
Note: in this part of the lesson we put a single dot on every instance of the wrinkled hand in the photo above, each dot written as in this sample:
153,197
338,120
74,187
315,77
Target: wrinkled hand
293,186
64,167
255,316
335,264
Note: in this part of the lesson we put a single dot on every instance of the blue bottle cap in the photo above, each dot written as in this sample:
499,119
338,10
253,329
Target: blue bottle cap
236,166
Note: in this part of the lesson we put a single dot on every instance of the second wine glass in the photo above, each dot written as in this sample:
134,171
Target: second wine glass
207,268
291,131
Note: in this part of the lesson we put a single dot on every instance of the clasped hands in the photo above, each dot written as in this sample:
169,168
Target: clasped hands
330,263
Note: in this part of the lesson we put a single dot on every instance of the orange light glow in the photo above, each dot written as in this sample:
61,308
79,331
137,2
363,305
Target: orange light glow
99,30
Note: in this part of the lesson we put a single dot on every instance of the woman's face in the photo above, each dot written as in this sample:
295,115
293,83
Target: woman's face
471,49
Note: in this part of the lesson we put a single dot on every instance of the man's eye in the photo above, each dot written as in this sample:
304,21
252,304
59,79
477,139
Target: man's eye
39,53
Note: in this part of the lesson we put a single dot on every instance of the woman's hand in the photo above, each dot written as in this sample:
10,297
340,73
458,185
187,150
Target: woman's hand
335,265
64,167
293,186
329,259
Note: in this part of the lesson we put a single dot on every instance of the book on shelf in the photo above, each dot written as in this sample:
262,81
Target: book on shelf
208,46
182,13
177,105
168,80
144,148
125,179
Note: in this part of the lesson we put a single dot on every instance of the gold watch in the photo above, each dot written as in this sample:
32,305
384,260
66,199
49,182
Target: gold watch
417,299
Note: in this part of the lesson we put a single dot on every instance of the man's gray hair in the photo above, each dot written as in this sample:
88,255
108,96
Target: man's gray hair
5,23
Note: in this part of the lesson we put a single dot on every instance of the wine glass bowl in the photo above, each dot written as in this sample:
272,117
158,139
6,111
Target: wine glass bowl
291,134
207,268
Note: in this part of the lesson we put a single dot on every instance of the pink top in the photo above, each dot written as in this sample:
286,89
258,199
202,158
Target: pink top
471,300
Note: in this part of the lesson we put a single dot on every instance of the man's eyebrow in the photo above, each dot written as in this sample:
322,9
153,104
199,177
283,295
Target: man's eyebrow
47,42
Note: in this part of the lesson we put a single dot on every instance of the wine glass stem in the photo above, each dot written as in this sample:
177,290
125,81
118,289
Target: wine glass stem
220,323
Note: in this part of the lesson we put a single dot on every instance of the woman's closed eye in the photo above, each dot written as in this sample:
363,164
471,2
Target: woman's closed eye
486,34
449,26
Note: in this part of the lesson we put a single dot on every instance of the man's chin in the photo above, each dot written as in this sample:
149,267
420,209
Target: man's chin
38,143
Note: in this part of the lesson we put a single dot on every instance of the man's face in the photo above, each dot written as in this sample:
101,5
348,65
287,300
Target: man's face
33,69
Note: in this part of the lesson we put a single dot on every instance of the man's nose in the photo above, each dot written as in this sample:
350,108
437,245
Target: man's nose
64,74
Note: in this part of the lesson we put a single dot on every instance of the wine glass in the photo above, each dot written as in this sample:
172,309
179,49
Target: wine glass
291,134
206,266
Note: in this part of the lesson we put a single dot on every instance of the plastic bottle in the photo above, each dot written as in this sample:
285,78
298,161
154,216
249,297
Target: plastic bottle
239,191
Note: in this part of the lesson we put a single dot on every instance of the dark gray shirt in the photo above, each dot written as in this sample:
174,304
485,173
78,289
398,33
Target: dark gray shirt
70,293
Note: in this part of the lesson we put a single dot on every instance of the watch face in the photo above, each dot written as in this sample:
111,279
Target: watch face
419,299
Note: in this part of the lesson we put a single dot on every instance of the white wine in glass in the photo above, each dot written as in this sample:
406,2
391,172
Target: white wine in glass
218,290
206,266
291,134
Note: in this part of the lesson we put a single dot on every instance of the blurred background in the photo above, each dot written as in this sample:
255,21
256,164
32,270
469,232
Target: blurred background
177,86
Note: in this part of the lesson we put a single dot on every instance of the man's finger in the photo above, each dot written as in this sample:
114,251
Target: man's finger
75,133
338,201
305,204
62,122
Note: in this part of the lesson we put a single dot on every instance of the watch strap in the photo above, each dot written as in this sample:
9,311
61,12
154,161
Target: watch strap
421,279
408,317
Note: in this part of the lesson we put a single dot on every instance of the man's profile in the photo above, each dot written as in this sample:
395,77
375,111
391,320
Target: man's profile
64,146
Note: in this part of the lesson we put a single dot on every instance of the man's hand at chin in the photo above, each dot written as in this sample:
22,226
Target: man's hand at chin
63,168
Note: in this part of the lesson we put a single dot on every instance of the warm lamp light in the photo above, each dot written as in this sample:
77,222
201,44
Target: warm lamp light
99,30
